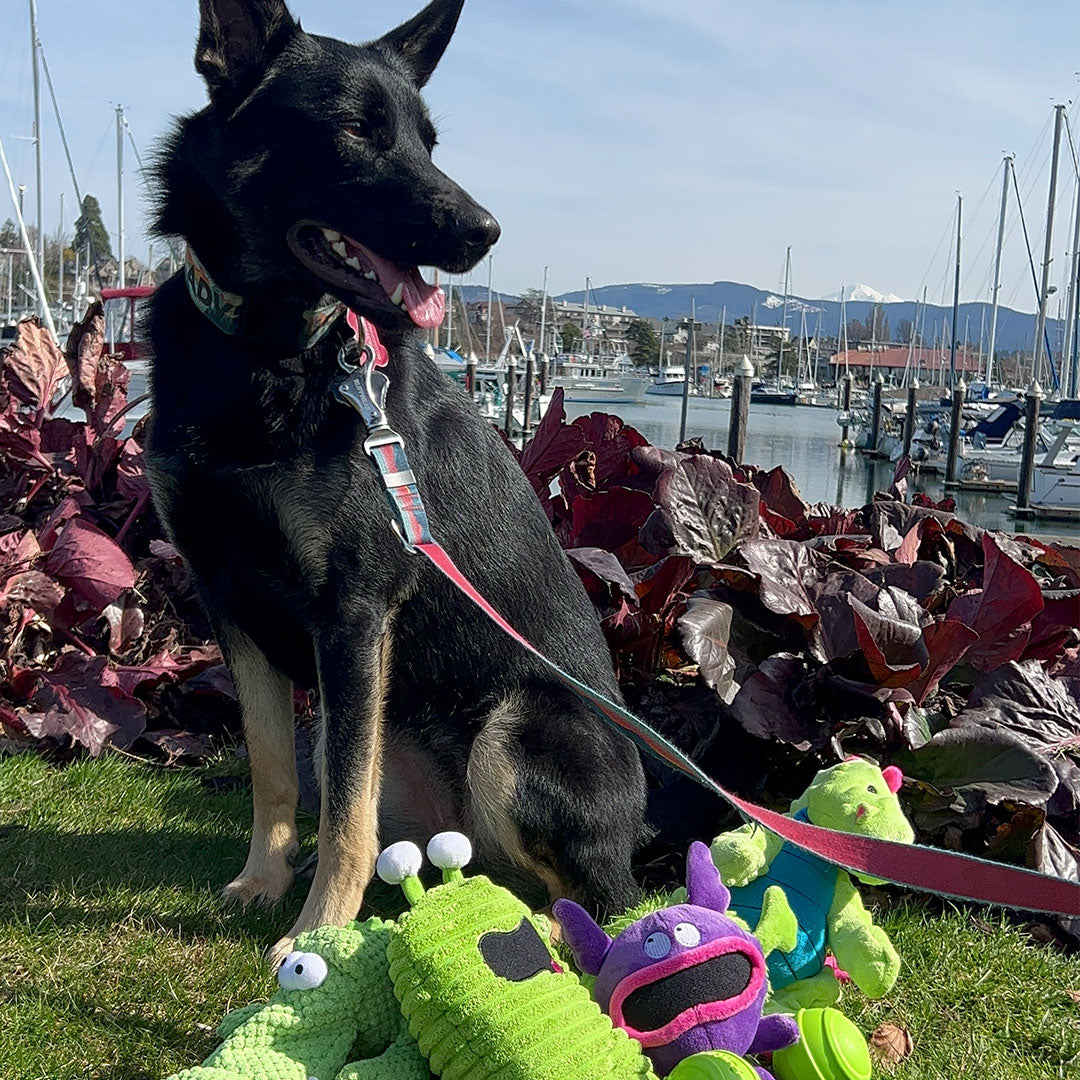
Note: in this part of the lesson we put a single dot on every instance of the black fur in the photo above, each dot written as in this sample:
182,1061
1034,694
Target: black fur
261,477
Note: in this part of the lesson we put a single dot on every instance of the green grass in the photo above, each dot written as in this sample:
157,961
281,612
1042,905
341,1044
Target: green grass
116,958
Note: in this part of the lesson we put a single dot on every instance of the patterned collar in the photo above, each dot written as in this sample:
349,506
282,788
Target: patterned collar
229,312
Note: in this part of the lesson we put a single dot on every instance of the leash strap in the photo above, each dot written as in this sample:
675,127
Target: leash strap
925,869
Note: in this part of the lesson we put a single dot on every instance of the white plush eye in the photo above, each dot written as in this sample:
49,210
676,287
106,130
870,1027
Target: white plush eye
687,934
302,971
657,946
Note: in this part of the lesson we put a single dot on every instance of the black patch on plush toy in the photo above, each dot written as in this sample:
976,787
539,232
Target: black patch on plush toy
516,956
655,1005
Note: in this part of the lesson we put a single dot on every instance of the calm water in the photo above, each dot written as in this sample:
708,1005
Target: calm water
805,442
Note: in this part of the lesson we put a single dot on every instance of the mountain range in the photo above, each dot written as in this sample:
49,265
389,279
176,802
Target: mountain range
1016,329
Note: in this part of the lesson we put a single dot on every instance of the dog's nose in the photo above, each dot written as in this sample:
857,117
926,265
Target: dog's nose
481,235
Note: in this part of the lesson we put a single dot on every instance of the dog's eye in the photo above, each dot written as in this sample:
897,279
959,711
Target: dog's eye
302,971
359,131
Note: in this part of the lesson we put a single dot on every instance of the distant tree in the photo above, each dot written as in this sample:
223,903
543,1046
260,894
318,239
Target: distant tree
9,235
905,330
856,332
645,341
877,324
90,231
571,337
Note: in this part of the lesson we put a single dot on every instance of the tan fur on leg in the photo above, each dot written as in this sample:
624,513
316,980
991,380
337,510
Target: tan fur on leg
348,839
492,784
266,699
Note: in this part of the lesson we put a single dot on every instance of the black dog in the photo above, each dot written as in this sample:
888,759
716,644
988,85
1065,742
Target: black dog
309,174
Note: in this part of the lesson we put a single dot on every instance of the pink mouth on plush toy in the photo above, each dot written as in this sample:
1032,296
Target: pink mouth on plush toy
662,1002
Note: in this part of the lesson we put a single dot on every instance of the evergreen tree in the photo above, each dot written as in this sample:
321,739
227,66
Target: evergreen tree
90,231
571,337
646,343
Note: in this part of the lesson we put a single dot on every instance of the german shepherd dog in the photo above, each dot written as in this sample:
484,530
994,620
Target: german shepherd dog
310,175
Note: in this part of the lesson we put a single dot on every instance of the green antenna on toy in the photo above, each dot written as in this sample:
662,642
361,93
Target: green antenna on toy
400,865
451,852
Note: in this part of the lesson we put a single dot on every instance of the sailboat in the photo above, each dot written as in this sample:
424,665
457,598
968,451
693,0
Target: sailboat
775,393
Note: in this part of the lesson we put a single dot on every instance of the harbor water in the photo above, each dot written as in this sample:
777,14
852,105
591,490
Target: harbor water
806,442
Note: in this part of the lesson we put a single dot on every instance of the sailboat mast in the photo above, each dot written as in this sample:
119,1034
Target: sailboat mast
783,318
120,194
37,139
1005,175
585,318
956,292
543,314
1048,252
720,353
490,312
1068,362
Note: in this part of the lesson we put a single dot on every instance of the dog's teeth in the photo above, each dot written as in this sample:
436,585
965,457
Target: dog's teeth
340,249
371,275
353,261
397,294
332,236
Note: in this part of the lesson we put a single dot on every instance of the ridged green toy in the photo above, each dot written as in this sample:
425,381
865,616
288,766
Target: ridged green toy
483,993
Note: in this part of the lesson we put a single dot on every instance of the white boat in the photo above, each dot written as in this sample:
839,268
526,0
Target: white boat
1055,486
671,382
596,381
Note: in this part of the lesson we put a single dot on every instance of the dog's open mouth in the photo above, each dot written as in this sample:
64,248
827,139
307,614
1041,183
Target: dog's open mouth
347,265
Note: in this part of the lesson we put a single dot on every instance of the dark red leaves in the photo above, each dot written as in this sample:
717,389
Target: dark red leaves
91,565
554,445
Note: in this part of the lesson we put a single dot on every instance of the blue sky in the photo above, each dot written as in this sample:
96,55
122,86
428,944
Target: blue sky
653,140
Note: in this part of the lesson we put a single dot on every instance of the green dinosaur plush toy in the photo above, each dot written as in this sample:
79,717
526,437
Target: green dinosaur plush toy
855,797
335,1017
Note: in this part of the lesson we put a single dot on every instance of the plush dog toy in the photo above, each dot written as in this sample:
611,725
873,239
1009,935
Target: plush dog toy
335,1003
855,797
686,979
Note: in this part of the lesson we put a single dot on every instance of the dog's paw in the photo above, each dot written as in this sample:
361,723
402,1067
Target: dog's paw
266,887
278,951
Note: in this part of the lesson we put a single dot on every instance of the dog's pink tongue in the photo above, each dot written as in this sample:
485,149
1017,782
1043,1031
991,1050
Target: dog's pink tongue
426,303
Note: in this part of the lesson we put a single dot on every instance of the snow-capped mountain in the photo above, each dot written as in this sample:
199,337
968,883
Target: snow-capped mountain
864,294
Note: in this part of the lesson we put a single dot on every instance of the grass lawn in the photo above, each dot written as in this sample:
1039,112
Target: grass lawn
116,958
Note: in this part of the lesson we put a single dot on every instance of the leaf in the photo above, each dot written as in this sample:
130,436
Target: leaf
786,571
166,668
763,705
946,642
996,764
780,494
553,447
81,699
33,367
602,574
32,589
891,637
126,624
612,520
889,1045
706,631
706,509
90,564
999,613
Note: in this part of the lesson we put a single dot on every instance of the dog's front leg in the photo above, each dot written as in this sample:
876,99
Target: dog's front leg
354,663
266,702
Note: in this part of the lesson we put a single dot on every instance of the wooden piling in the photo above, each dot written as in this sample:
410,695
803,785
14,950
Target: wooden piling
545,374
530,392
959,395
845,408
1027,455
875,418
740,409
909,420
470,376
511,392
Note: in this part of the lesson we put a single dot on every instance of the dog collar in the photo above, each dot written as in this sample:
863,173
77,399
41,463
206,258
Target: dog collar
230,313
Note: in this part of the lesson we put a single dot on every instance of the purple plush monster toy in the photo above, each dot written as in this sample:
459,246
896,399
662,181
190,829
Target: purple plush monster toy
686,979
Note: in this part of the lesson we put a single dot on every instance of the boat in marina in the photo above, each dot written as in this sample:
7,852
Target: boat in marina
761,394
1055,485
596,381
671,382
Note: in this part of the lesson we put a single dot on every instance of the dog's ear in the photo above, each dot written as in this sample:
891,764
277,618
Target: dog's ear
421,42
238,39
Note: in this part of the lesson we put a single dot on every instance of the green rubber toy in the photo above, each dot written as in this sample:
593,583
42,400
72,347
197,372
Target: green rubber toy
831,1047
714,1065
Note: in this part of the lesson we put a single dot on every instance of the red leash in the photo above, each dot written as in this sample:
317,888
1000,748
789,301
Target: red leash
925,869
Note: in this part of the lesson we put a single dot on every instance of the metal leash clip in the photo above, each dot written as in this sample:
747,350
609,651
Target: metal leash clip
365,388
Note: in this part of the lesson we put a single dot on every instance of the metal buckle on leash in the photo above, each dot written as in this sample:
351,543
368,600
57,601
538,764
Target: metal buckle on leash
365,388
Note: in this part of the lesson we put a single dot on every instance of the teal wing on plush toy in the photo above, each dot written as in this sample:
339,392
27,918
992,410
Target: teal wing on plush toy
334,1017
856,797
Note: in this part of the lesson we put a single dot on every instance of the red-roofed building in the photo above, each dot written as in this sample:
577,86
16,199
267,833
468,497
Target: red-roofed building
895,360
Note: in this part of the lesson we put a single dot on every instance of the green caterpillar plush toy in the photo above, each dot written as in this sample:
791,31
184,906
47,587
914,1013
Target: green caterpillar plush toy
485,995
334,1017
